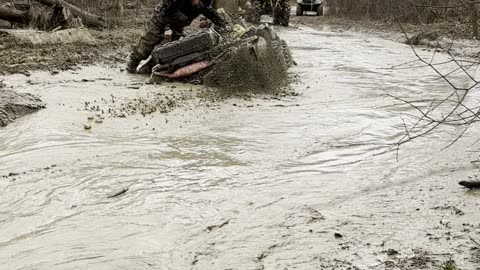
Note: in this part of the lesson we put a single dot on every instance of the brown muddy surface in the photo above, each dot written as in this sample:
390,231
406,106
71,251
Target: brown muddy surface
239,181
109,47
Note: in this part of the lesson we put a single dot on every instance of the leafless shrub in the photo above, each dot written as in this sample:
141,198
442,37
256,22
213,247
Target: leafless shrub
401,10
458,108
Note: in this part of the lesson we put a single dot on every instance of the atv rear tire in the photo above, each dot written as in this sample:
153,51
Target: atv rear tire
299,11
171,51
285,14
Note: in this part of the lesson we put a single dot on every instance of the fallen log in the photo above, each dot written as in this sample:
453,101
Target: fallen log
5,24
67,36
35,16
15,16
23,6
87,18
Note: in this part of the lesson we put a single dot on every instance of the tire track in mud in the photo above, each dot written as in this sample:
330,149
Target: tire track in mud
208,249
260,259
301,225
302,216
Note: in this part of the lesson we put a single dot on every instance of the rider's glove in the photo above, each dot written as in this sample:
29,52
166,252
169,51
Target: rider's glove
224,29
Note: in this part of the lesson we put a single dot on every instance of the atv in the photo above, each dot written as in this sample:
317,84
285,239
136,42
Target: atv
310,5
276,12
246,57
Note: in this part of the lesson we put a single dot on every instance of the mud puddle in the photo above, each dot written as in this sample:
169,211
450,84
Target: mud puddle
247,183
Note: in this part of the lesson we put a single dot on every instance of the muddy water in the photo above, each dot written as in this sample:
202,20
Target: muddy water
242,184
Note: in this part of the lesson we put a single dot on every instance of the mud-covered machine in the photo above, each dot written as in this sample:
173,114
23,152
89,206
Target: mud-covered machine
208,57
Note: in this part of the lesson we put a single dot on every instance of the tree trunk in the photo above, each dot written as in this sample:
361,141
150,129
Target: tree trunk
13,15
35,17
117,7
474,20
88,19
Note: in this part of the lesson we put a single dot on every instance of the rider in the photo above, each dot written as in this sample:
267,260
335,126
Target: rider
174,14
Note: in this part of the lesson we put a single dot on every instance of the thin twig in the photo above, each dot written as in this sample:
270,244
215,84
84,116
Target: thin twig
474,241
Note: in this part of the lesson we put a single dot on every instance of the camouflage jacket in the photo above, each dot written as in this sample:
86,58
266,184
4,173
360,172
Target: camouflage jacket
231,6
169,7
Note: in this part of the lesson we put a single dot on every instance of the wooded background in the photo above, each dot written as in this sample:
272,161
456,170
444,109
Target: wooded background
414,11
92,13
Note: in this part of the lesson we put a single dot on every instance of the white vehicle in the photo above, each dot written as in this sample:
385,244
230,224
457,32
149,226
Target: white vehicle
310,5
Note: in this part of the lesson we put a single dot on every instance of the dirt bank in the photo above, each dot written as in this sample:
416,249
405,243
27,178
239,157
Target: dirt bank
14,105
446,29
109,46
456,37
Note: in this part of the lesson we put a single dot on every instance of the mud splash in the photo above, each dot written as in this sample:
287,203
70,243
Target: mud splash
242,70
246,183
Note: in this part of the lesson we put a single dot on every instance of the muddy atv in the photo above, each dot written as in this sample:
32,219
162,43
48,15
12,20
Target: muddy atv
245,58
276,12
309,5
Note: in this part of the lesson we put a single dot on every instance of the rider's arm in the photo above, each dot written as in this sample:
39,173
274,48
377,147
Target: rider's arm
162,11
213,16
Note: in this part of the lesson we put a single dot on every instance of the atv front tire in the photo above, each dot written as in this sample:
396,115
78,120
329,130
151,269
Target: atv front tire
201,42
254,16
